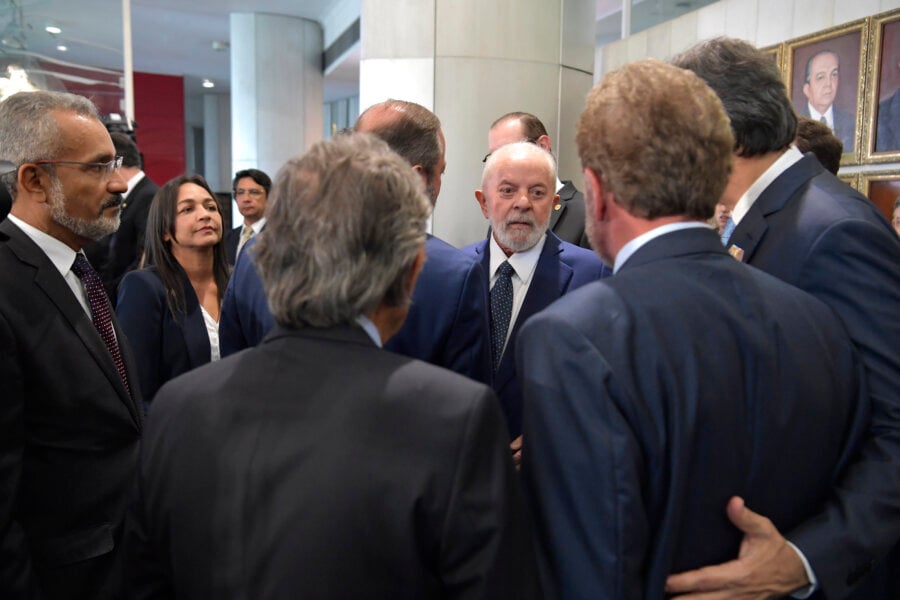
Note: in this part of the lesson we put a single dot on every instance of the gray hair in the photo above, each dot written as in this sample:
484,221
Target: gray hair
527,148
29,131
345,224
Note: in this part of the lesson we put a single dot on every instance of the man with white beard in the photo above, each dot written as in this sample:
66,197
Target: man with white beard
527,266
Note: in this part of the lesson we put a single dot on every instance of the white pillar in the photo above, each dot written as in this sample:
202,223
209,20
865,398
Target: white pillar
217,141
276,89
483,59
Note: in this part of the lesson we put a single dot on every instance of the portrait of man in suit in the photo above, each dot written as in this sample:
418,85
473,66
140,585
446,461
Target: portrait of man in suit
825,77
70,416
318,464
655,395
887,115
526,266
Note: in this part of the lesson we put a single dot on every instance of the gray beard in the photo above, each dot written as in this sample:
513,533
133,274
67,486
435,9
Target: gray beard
93,230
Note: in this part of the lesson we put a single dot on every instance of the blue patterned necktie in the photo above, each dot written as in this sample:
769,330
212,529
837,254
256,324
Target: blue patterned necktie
501,311
727,231
101,312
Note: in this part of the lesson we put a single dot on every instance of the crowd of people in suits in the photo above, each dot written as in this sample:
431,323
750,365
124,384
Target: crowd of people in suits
600,399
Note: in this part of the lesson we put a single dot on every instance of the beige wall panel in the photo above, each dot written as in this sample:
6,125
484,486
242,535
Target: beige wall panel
398,28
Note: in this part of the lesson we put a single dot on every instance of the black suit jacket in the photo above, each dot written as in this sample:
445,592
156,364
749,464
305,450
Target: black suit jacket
567,221
317,465
813,231
69,435
232,237
127,243
165,344
653,396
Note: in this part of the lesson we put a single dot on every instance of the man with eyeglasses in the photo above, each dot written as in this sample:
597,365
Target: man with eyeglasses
567,216
70,418
251,190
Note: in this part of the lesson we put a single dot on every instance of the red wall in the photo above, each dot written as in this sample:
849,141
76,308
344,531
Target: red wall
159,114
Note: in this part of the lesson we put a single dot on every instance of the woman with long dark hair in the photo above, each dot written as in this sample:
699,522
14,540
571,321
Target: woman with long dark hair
169,309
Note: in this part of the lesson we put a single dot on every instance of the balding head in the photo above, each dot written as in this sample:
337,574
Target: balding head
413,132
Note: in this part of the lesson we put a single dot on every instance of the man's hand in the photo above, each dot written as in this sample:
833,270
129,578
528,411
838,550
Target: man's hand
516,448
767,567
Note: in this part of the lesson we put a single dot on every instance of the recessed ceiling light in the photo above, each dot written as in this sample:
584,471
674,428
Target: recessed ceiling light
62,48
207,83
53,29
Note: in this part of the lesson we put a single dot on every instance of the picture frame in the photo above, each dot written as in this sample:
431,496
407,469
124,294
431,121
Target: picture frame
851,179
776,51
882,144
882,188
836,58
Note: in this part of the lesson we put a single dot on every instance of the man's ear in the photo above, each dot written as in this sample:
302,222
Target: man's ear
482,202
595,195
33,180
422,173
544,142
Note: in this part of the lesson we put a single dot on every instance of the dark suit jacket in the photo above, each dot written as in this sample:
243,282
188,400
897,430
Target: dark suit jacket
561,268
887,136
69,435
232,237
164,344
446,326
844,126
317,465
653,396
567,222
810,230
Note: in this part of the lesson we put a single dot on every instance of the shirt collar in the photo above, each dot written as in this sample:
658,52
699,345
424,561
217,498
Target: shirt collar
784,162
61,255
370,329
634,245
257,227
135,179
523,263
817,116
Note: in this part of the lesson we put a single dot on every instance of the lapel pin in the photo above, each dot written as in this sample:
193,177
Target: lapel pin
736,252
557,207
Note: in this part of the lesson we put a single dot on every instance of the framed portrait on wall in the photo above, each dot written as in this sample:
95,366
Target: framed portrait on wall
883,189
825,76
883,119
777,54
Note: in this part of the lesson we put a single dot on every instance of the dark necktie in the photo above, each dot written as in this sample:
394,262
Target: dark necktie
823,120
501,310
101,313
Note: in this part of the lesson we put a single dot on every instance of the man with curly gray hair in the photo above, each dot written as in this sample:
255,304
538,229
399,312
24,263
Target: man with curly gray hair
317,464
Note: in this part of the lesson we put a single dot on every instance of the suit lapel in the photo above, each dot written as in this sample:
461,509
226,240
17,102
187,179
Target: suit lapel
752,228
193,325
565,194
550,281
49,280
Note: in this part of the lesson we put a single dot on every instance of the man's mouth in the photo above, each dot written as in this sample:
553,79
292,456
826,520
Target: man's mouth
113,202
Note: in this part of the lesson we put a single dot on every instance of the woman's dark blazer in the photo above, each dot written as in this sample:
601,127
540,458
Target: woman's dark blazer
164,345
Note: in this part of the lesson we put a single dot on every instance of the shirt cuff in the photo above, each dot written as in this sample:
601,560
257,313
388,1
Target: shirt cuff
806,591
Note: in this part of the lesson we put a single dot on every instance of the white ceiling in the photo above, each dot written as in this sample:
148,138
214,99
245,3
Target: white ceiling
173,37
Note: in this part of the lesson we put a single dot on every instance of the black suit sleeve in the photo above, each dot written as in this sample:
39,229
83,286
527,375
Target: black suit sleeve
486,550
16,576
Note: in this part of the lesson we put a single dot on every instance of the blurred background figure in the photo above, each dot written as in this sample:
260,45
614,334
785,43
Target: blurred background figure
816,137
251,192
170,308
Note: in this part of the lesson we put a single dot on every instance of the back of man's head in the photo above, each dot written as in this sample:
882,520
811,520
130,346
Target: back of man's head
532,127
817,137
28,128
347,221
410,129
127,149
659,139
750,87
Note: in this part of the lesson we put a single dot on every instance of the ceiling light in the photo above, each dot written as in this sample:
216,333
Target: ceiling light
62,48
53,29
220,46
207,83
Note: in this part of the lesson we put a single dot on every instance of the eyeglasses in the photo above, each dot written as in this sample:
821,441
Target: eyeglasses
106,168
529,140
252,192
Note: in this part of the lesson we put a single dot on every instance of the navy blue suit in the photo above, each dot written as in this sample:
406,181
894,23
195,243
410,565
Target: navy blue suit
446,326
653,396
813,231
164,344
561,268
